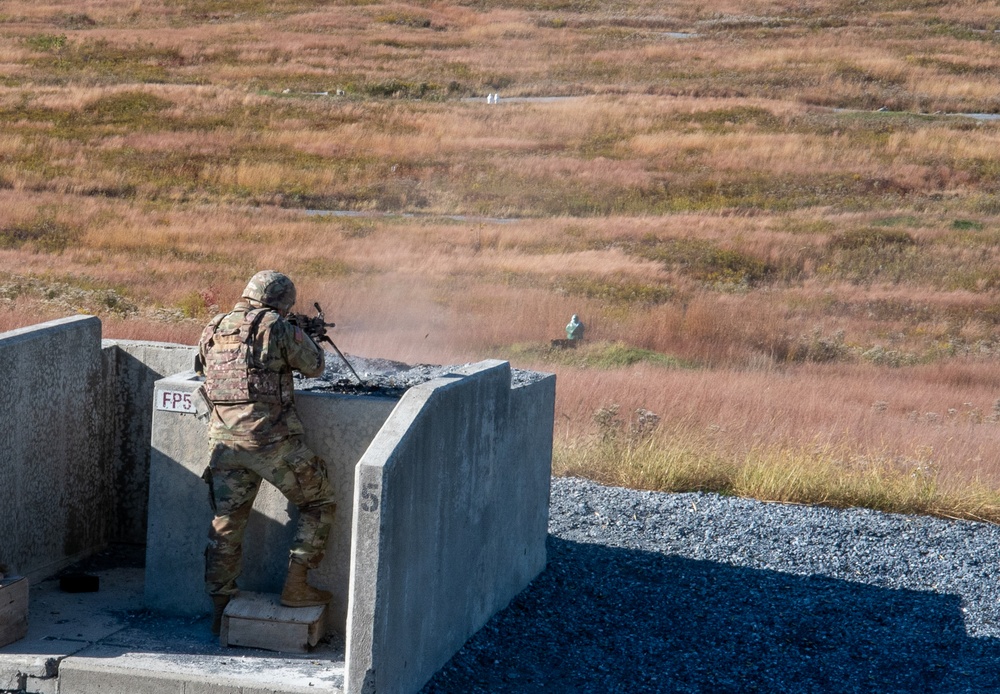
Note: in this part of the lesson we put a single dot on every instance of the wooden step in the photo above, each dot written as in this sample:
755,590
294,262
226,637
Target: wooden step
13,609
259,620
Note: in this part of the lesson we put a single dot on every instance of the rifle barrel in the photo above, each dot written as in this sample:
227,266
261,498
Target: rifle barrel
341,355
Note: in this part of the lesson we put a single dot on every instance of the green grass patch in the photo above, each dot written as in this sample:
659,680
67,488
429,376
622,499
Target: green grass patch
352,228
602,143
869,254
506,191
905,220
194,305
967,225
157,173
698,192
103,61
320,113
406,19
705,261
855,74
324,267
619,291
404,89
738,117
218,10
77,294
46,42
805,227
868,264
595,355
73,20
985,172
133,108
44,233
875,239
570,6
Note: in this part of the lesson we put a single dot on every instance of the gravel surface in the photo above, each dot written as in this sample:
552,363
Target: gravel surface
654,592
387,377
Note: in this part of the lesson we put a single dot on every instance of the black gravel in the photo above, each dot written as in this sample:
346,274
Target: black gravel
386,377
654,592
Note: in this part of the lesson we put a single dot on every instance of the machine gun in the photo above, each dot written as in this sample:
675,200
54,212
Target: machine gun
315,327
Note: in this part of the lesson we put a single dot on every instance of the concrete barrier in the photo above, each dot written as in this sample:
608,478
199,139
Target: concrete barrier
137,365
450,521
339,428
55,449
437,527
441,523
74,456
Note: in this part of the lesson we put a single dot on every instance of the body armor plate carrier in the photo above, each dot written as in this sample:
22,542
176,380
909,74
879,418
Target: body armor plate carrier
232,374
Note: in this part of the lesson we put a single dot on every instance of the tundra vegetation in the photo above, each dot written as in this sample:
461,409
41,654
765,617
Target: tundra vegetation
781,236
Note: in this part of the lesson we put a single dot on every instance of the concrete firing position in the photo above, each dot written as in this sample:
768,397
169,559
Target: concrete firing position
441,523
338,428
448,509
450,521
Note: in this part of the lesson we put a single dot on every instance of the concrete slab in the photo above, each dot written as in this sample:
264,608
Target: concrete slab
84,643
102,670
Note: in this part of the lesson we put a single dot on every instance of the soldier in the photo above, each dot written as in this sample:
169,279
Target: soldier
574,330
248,356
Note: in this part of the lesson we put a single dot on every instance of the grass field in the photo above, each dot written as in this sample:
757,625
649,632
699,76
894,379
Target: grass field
778,227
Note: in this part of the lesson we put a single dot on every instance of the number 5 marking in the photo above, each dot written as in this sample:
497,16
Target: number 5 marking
369,496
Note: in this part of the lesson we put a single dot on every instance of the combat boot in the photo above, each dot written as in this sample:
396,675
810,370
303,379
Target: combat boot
298,593
219,603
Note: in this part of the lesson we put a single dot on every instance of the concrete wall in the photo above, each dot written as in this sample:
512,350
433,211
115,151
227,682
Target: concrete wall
55,449
438,526
74,448
339,428
450,521
137,365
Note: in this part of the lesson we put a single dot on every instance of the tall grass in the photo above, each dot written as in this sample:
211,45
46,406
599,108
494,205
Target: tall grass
800,286
829,477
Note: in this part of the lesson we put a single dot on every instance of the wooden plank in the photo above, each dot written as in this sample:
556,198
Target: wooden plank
13,632
13,609
267,606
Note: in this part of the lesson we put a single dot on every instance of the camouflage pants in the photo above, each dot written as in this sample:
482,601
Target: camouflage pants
234,476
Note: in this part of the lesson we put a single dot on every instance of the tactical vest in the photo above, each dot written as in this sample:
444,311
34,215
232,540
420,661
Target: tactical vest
232,374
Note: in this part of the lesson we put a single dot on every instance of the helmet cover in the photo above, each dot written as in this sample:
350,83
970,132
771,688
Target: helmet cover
272,289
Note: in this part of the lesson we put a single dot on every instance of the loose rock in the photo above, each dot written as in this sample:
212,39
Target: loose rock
386,377
654,592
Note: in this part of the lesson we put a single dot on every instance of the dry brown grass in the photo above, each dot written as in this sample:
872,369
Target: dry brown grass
942,412
787,285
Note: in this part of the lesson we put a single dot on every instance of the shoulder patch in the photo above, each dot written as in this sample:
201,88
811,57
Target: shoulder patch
300,335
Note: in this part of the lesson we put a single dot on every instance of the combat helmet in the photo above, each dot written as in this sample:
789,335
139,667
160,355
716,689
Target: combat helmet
272,289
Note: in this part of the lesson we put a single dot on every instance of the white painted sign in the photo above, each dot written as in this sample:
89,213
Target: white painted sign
174,401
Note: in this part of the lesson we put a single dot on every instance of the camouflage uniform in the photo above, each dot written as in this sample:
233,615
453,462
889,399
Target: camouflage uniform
236,471
254,432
